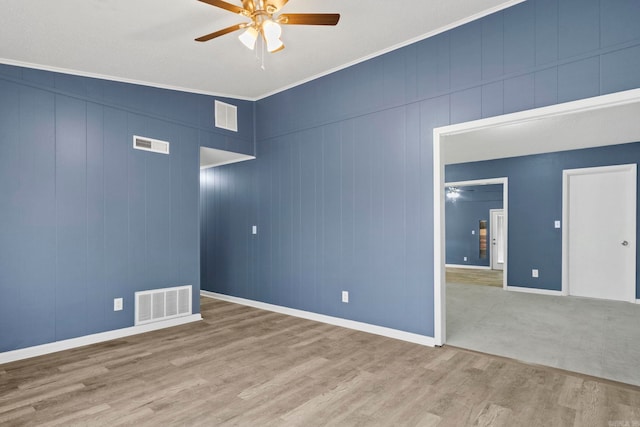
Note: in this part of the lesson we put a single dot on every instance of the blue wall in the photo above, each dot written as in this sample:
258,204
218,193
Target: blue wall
535,202
462,215
85,218
342,186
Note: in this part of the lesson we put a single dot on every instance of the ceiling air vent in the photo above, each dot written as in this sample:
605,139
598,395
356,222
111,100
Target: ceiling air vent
148,144
226,116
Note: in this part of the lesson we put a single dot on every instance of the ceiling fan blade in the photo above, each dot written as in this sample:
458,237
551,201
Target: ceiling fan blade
224,5
220,32
309,18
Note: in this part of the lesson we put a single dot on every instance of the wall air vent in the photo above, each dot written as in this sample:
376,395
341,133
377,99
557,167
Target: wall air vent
162,304
226,116
148,144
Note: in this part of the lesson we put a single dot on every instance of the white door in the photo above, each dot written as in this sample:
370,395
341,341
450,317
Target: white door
497,239
599,245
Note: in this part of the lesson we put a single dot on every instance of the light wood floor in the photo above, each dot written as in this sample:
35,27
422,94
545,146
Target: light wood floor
243,366
474,276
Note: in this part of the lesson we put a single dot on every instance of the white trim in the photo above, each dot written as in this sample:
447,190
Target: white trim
488,181
39,350
533,290
638,301
468,266
337,321
614,99
439,252
586,104
119,79
566,174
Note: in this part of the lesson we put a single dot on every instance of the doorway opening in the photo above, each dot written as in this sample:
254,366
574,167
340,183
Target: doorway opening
214,183
476,232
592,122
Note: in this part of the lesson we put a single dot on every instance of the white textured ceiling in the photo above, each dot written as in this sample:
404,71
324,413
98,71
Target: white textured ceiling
152,41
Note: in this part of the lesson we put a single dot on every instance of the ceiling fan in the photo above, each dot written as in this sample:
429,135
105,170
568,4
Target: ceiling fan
264,23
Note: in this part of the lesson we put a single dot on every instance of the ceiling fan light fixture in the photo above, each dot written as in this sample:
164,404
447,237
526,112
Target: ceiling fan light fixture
274,46
453,193
263,23
271,32
249,37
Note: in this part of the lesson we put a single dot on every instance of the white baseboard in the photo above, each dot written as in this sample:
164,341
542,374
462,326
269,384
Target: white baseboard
337,321
534,290
638,301
39,350
474,267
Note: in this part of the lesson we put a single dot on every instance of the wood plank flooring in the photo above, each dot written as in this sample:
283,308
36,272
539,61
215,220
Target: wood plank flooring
473,276
246,367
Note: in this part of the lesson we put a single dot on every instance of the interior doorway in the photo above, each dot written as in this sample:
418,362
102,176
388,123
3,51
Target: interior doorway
470,255
213,182
593,122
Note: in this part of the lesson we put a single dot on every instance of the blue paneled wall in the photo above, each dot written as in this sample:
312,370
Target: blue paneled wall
535,202
342,186
462,216
85,217
341,191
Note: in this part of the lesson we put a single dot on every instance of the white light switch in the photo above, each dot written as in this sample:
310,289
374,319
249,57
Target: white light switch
117,304
556,224
254,229
345,296
473,231
534,272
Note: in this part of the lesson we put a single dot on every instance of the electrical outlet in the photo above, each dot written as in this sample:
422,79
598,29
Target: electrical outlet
534,272
254,229
556,224
345,296
473,231
117,304
465,259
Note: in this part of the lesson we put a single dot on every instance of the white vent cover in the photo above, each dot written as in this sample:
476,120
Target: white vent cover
226,116
149,144
162,304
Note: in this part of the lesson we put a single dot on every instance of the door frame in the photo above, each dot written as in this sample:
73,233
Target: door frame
504,236
441,143
505,202
566,175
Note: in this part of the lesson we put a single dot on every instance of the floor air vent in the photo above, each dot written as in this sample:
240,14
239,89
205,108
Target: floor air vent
162,304
148,144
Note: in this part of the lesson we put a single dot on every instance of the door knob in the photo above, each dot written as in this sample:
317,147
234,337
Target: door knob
625,243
